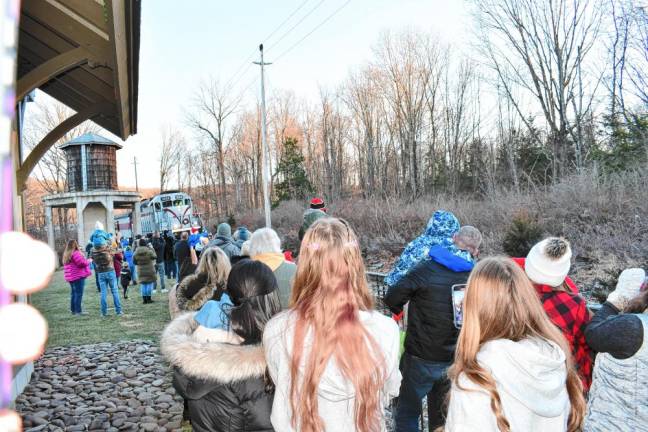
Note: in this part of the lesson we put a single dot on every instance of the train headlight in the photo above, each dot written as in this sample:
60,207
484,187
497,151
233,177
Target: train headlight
176,225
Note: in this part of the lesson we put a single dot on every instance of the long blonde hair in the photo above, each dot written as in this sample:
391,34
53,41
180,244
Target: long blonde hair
216,265
330,289
71,246
501,303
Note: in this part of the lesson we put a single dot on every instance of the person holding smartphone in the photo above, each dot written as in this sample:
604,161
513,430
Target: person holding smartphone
431,329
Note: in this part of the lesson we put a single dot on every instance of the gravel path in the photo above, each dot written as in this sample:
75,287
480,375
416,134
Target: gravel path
122,386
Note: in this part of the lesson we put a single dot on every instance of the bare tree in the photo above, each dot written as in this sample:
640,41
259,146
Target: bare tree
51,171
171,147
404,58
539,46
212,107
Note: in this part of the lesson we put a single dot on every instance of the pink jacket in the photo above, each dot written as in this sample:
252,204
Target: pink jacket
77,268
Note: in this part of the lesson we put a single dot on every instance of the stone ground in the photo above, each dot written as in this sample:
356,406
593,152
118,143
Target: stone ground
122,386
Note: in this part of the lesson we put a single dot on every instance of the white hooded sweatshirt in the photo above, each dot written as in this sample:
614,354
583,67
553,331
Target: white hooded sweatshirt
335,394
531,381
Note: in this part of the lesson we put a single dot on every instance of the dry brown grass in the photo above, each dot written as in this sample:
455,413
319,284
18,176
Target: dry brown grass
605,219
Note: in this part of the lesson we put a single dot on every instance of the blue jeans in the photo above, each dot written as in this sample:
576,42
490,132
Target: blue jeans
171,268
76,295
421,377
133,273
146,289
160,270
96,279
109,279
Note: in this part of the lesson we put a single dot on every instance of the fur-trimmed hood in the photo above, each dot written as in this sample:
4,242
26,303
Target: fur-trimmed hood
221,362
195,284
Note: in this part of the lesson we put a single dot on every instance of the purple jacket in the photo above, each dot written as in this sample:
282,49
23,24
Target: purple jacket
77,268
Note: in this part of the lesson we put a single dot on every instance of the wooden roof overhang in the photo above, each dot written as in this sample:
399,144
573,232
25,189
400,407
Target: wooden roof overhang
85,54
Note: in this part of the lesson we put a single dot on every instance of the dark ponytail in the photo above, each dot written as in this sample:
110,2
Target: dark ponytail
252,286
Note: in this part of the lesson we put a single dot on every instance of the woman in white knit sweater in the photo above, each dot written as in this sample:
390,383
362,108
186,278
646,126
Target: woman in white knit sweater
513,369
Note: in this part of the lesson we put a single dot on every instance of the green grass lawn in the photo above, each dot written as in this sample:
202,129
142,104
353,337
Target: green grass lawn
139,321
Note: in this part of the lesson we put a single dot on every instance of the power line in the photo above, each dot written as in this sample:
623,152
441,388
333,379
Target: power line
285,21
335,12
247,61
240,77
296,24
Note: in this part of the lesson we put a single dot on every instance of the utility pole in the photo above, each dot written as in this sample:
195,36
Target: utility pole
264,141
135,164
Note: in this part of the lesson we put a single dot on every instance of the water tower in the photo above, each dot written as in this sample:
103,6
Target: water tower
91,162
91,188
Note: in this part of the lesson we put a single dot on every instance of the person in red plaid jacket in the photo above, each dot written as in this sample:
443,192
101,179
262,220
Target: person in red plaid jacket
547,265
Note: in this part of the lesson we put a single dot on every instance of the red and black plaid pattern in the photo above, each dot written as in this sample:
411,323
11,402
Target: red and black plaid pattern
569,313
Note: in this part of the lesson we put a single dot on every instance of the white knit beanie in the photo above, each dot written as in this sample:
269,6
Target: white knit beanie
549,261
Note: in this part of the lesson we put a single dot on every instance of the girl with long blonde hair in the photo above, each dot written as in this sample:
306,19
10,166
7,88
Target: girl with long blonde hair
333,359
513,368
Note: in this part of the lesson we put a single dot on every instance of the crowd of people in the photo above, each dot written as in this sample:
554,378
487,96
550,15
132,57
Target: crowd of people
153,262
260,343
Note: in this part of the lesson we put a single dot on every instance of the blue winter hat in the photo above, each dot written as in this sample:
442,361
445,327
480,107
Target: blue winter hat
243,234
211,315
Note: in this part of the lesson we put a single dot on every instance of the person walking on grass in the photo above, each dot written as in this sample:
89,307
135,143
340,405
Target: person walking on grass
125,278
128,256
158,245
221,373
102,259
431,330
75,269
618,399
331,356
170,264
513,369
144,259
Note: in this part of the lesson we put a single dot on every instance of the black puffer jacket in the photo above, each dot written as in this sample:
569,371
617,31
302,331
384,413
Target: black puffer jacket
158,245
223,384
182,253
431,333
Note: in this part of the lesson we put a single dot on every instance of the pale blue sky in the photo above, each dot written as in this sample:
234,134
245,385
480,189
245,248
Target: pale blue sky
182,45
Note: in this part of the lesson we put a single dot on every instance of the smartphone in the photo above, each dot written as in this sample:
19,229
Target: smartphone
458,292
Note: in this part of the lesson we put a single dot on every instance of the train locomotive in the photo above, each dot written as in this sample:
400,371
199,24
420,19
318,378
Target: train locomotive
171,211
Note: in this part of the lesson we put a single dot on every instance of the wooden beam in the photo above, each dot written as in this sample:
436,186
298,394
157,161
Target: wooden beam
117,28
54,19
90,10
50,69
53,136
82,78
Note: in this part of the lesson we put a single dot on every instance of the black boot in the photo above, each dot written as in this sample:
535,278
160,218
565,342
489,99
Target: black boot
150,299
144,300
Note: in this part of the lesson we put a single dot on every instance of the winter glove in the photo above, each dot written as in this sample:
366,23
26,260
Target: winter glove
627,288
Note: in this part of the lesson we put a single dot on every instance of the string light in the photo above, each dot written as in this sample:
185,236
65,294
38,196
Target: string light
23,332
21,276
10,421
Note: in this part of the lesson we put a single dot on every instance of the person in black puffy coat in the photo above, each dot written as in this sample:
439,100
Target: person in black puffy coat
431,333
223,376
